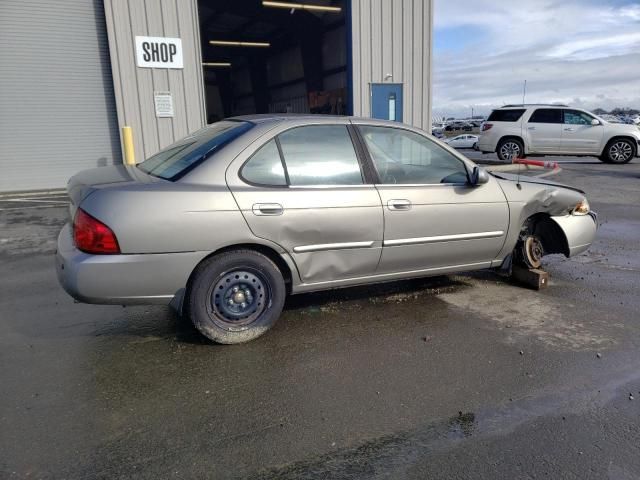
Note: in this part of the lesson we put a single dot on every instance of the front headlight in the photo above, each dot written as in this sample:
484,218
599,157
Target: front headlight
581,208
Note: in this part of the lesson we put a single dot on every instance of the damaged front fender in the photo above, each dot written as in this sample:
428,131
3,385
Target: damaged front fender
545,209
579,230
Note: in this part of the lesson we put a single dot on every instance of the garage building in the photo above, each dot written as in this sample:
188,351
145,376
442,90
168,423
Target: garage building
75,72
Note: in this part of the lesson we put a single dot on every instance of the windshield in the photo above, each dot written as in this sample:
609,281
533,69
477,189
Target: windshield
183,156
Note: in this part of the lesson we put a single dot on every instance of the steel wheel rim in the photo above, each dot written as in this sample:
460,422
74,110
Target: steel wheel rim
510,150
620,151
238,298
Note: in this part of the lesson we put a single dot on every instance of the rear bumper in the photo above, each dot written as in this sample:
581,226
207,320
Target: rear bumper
122,279
580,231
486,144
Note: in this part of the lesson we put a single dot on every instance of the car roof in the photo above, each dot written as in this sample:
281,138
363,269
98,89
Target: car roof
261,118
530,105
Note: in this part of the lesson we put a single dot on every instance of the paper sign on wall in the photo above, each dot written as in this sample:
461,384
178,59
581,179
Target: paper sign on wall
164,104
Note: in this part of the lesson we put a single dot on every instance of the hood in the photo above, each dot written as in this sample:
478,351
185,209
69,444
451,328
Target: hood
87,181
534,180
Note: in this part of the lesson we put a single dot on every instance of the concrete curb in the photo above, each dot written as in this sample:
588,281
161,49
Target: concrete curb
33,194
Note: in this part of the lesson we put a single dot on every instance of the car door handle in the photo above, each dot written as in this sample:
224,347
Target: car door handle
267,209
399,204
569,129
531,128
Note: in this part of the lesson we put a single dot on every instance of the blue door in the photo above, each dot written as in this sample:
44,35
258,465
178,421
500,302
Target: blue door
386,101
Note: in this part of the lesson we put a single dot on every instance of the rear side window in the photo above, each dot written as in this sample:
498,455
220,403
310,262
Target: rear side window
546,115
265,167
512,115
180,158
320,155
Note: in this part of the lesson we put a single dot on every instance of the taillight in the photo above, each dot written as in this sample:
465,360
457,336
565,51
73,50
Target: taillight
93,236
486,126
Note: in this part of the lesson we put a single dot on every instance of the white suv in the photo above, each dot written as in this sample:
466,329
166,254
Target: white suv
519,130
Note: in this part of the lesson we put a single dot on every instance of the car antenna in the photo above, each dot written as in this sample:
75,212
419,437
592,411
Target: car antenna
519,167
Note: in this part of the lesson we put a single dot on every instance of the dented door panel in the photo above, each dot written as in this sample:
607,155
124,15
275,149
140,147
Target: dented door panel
330,232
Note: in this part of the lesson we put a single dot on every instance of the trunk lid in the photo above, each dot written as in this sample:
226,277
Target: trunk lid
82,184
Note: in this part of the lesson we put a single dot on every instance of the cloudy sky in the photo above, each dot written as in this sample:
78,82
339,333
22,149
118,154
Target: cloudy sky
582,52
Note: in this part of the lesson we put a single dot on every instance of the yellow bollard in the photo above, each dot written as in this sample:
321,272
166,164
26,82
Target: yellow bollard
127,142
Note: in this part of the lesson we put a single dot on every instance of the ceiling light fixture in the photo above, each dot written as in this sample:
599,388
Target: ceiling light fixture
216,64
301,6
224,43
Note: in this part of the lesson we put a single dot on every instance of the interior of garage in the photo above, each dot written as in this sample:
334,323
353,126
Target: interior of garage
274,57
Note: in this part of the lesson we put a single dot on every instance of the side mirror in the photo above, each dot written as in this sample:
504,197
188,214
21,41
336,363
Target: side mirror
595,122
479,176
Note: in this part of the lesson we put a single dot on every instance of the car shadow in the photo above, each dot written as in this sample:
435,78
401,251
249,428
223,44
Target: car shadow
361,292
184,331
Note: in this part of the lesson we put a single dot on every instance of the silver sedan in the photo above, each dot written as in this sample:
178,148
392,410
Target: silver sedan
227,222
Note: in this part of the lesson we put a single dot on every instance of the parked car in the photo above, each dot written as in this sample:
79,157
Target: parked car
463,141
227,222
520,130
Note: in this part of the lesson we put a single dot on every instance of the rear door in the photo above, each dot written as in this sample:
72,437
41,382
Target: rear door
305,190
578,135
433,217
544,130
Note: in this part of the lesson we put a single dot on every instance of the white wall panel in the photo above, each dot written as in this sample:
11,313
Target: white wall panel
392,43
135,86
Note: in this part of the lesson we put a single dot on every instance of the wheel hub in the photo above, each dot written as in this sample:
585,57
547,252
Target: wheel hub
238,297
533,251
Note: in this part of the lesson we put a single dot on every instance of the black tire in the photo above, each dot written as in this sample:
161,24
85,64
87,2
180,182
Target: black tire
619,150
475,146
229,316
508,148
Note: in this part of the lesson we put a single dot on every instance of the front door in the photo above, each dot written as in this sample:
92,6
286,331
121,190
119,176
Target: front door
579,135
433,218
305,191
544,130
386,101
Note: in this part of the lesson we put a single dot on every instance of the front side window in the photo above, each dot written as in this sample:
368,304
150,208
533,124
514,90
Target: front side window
404,157
546,115
265,167
320,155
576,117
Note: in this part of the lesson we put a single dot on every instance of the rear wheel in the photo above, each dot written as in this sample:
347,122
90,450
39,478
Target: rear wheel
510,148
619,151
236,296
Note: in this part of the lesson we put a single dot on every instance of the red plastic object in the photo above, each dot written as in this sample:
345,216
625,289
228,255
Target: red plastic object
536,163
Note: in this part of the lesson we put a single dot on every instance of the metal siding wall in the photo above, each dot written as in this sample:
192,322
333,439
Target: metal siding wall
393,37
57,108
134,86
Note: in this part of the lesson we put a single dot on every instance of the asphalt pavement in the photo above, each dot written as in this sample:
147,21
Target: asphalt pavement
457,377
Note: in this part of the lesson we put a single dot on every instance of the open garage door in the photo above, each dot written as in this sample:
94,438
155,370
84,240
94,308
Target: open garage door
272,57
